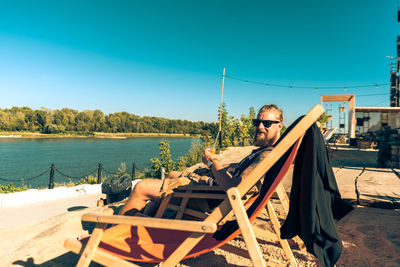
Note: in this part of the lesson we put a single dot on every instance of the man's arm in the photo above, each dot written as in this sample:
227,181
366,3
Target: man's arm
219,171
226,180
254,164
223,177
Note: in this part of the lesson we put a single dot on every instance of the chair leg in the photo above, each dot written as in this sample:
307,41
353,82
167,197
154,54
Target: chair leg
100,256
245,226
182,207
284,199
93,243
163,206
284,243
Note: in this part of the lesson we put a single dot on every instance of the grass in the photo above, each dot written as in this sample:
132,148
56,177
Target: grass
10,188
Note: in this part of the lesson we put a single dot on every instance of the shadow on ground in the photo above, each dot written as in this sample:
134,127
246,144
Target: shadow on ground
353,157
70,259
67,259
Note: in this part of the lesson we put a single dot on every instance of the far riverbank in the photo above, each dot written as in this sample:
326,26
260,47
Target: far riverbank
23,134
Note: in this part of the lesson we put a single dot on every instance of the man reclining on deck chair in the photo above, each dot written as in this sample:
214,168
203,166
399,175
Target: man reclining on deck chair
268,126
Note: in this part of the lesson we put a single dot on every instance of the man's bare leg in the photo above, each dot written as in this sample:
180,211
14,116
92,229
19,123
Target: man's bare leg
145,190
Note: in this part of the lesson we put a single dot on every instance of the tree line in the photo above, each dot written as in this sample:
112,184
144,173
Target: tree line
69,120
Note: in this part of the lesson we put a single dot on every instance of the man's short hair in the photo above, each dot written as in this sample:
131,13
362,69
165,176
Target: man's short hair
271,107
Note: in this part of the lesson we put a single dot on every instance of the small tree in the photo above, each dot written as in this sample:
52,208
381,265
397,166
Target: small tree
165,160
229,132
237,132
323,119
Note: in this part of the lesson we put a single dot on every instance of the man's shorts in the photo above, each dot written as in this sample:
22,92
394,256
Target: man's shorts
185,179
188,178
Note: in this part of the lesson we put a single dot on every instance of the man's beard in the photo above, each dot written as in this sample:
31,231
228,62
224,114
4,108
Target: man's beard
262,140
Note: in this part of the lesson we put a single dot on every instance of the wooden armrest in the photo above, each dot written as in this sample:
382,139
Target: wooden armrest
184,225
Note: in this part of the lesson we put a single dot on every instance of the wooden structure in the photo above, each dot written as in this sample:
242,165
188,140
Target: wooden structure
118,243
350,98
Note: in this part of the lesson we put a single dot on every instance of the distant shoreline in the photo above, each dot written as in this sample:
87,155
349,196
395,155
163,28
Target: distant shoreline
91,135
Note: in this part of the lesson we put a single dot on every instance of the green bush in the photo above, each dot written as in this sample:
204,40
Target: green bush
142,174
90,180
192,157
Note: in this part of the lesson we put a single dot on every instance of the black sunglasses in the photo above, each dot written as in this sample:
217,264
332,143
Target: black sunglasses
266,123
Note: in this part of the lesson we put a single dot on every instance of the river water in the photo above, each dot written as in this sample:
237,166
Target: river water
75,157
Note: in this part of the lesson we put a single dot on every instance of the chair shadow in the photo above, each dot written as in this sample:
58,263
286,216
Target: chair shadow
70,259
209,259
64,260
89,226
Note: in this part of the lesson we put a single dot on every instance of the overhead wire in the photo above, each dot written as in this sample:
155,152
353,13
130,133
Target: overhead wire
372,94
379,103
291,86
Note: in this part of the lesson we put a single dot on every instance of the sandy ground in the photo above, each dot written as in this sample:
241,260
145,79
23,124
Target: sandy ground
370,235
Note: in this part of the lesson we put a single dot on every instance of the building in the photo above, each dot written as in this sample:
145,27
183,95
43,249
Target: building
373,119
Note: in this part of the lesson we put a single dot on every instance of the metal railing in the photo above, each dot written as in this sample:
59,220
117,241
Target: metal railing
52,170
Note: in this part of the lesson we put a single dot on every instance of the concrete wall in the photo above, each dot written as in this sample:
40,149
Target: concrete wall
40,195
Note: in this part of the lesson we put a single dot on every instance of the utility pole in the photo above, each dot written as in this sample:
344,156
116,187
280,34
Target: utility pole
394,72
394,81
220,112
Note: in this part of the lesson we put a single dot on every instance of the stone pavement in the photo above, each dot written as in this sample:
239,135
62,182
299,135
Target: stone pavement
361,182
369,186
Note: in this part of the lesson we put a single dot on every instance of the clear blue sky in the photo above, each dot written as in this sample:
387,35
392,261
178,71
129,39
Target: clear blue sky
165,58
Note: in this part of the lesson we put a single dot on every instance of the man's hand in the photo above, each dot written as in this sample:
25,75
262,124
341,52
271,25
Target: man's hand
207,156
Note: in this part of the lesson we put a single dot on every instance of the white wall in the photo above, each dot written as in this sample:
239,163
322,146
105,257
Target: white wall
40,195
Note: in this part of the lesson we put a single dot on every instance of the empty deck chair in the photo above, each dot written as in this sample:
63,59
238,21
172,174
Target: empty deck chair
328,134
141,239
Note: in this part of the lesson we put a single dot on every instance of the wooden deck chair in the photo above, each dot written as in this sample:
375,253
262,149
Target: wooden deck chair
328,138
141,239
195,191
329,133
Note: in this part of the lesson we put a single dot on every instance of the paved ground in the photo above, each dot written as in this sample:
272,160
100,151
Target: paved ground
358,179
361,182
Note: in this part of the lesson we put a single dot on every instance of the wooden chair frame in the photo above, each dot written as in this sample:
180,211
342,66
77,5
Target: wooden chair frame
199,229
